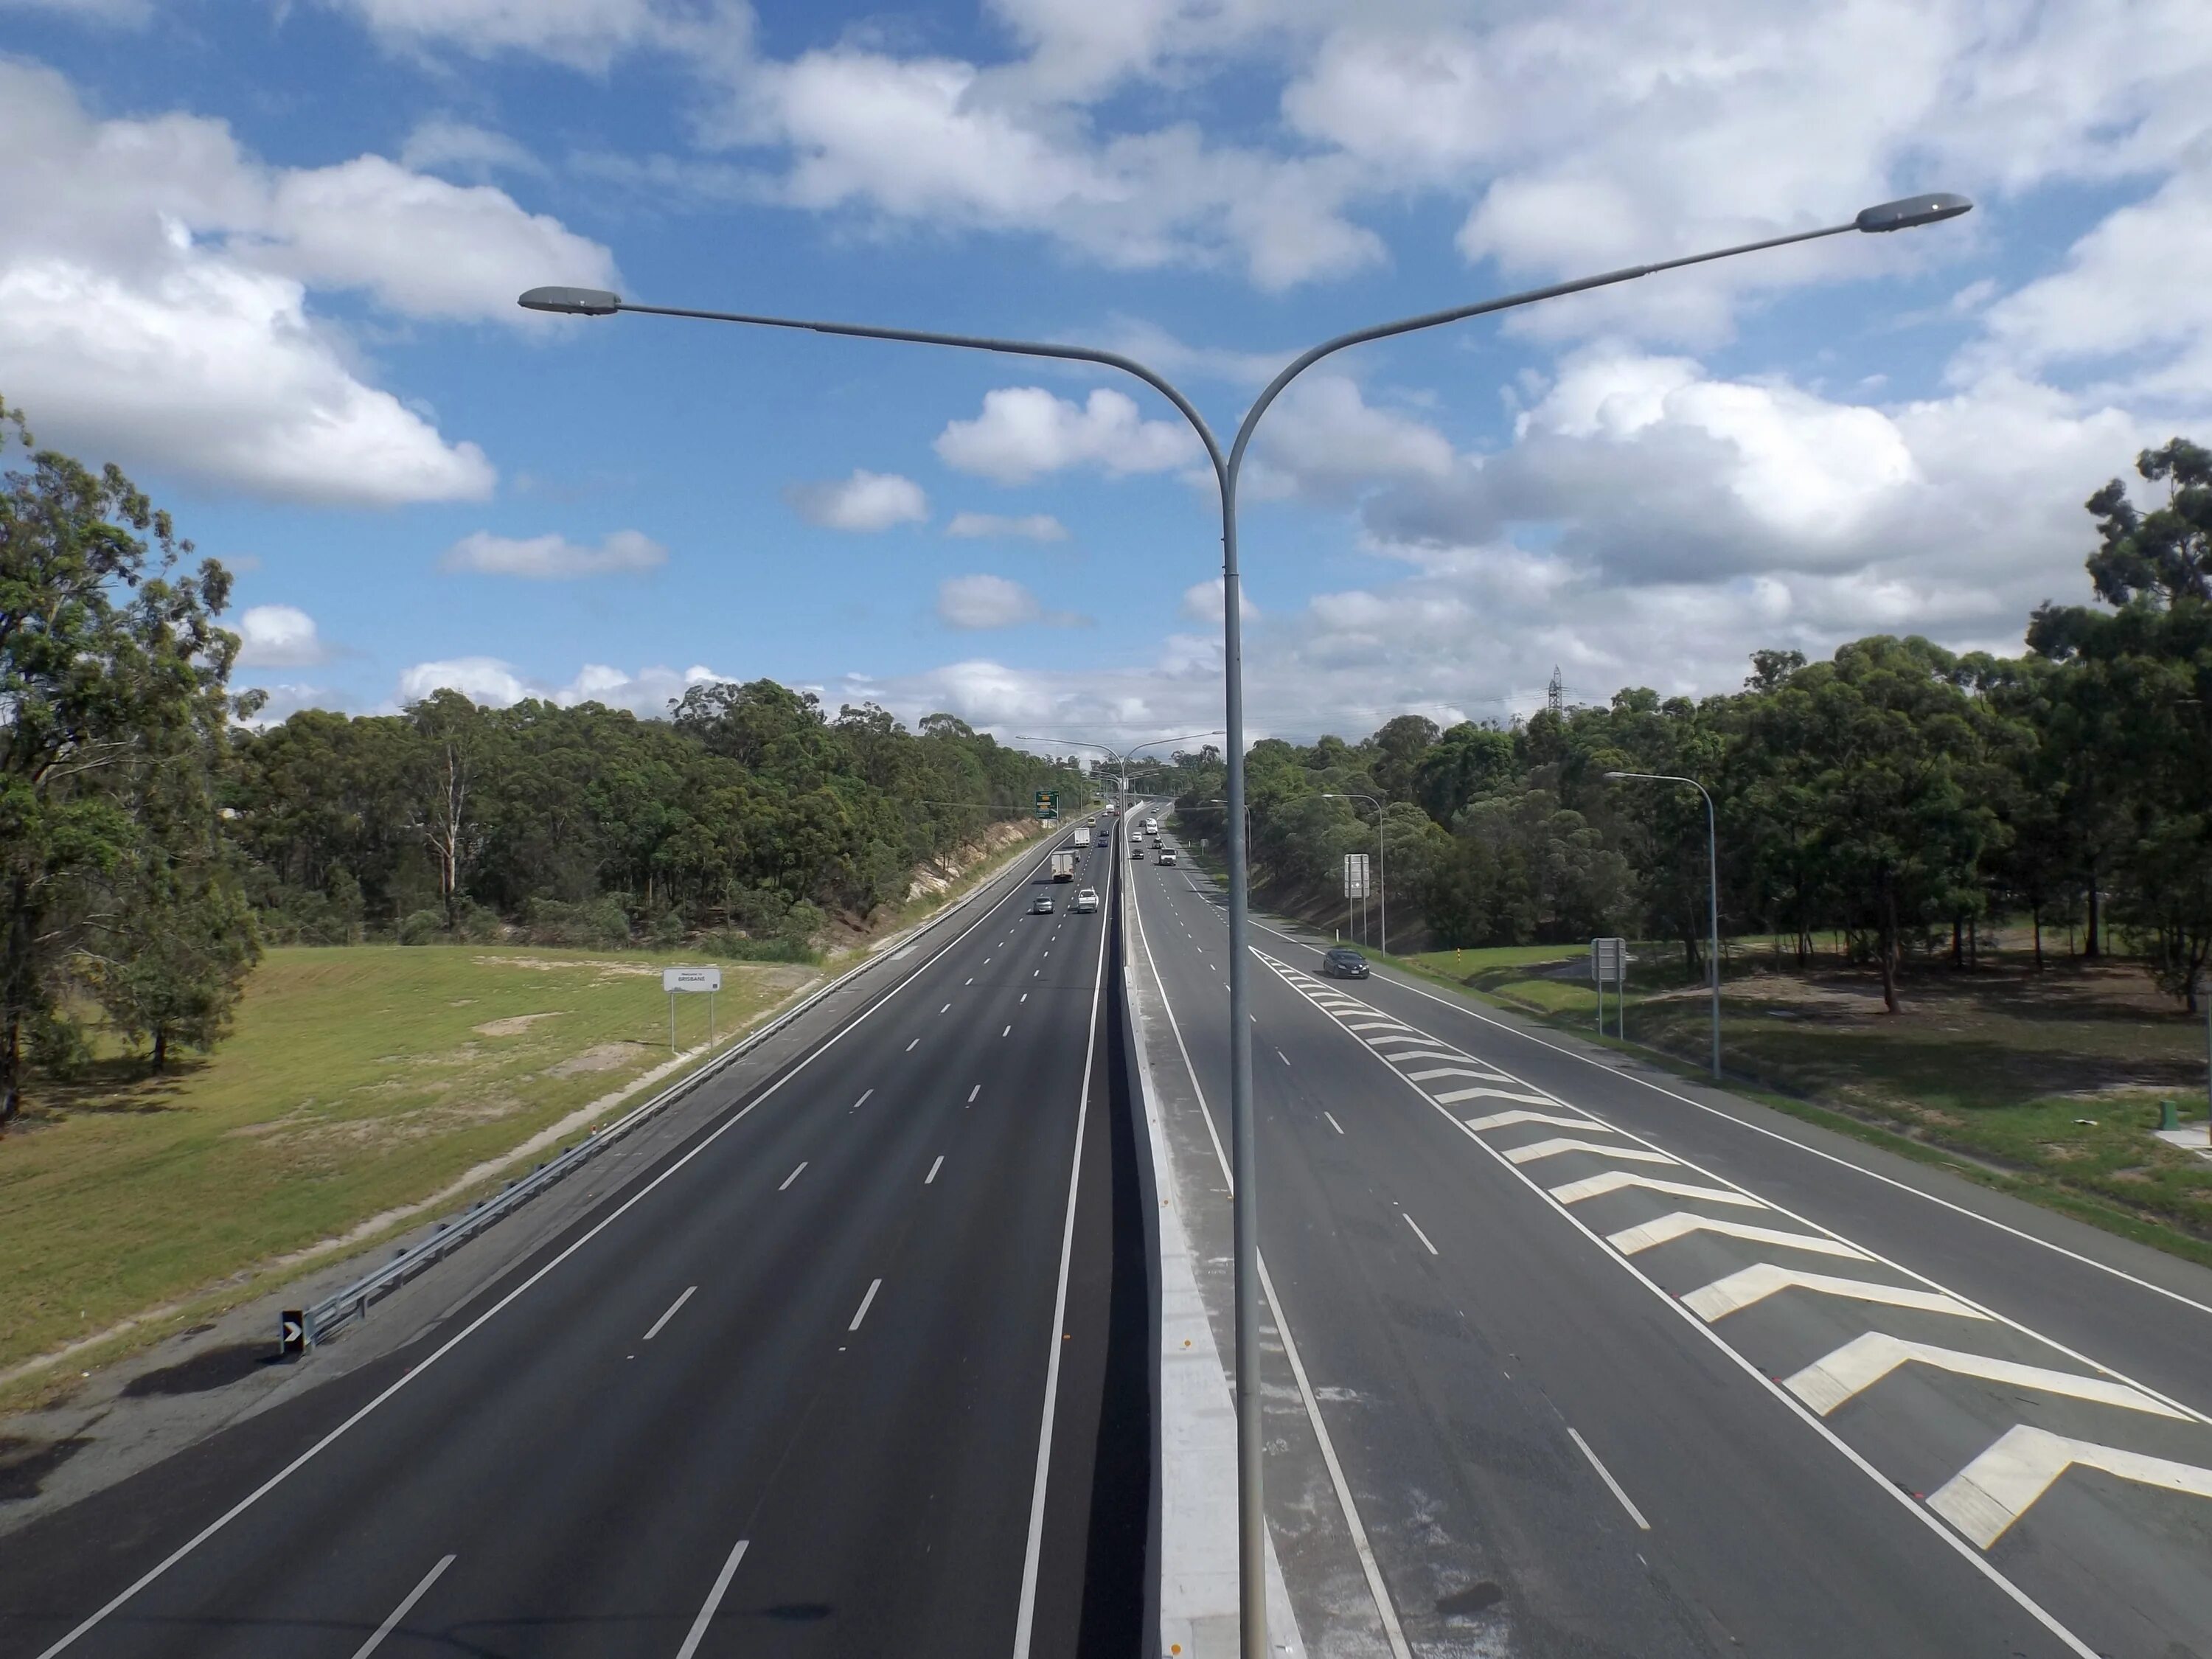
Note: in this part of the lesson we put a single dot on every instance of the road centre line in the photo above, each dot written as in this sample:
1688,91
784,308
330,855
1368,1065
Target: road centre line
793,1175
484,1318
1280,1055
1611,1485
874,1284
861,1102
933,1169
690,1291
912,1046
972,1093
1332,1123
1368,1566
947,1009
392,1620
713,1600
1024,997
1417,1233
1959,1545
1009,1032
1607,1065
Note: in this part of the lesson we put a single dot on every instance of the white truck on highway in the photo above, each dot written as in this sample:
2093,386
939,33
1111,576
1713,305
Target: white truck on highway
1082,835
1063,865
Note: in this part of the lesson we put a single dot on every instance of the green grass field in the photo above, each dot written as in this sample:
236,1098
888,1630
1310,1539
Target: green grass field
358,1080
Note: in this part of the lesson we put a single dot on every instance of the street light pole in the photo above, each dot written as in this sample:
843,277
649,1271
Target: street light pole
1382,857
1712,897
1251,1521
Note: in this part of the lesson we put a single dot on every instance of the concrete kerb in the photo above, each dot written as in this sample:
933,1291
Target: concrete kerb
1194,1419
355,1300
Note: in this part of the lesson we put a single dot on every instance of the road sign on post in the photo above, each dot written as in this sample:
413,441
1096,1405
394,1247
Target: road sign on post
1048,805
292,1333
1355,875
697,980
1609,965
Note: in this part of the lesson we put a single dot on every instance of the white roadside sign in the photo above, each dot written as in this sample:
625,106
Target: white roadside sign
673,980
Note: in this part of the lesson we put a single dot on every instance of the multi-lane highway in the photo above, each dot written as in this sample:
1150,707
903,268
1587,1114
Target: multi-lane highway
825,1380
1609,1365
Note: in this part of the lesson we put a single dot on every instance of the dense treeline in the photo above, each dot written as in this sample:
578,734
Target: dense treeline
151,838
1898,793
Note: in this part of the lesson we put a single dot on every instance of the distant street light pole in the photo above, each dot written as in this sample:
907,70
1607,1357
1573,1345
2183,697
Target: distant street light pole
1712,896
1382,859
1120,758
1251,1520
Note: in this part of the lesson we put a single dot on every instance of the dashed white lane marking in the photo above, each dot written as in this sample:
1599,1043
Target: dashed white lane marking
1280,1055
1997,1488
861,1102
874,1284
912,1046
698,1632
1742,1288
972,1092
1024,997
392,1620
1036,973
971,979
1668,1228
794,1175
1332,1123
688,1293
1483,1091
1417,1233
1828,1384
1507,1120
1612,1180
933,1169
1009,1032
1611,1485
1558,1144
947,1009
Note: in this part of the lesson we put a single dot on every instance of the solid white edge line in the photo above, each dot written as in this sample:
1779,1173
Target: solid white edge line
1776,1134
673,1308
1417,1233
861,1313
392,1620
793,1175
492,1312
1611,1485
698,1631
1961,1547
1368,1564
1026,1616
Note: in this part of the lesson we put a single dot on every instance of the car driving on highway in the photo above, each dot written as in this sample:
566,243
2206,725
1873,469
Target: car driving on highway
1041,905
1167,855
1086,900
1344,963
1136,848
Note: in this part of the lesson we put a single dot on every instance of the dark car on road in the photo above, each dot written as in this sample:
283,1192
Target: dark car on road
1343,963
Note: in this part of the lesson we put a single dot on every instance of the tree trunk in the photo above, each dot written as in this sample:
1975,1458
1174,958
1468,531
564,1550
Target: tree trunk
2035,914
11,1093
2089,941
161,1048
1886,952
1957,942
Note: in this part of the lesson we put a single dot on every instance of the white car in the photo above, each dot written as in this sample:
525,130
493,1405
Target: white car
1086,900
1167,855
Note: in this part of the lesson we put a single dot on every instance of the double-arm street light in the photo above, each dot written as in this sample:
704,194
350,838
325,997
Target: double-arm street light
1121,757
1712,895
597,302
1381,858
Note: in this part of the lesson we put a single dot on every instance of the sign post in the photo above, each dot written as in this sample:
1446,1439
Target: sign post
1609,961
696,980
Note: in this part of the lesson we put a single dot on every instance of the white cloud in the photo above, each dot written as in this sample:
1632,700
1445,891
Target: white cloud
444,144
278,636
866,502
485,680
1201,602
1325,440
985,601
586,34
1031,526
553,557
1026,431
495,683
154,283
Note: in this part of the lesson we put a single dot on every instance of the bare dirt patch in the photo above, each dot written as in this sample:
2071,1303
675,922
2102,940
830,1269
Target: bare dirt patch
599,1057
514,1024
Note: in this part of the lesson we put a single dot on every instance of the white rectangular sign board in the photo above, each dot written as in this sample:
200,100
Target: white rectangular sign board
1609,958
1355,875
673,980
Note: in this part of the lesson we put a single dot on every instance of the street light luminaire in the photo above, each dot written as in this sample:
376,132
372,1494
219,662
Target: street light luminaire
572,302
1912,211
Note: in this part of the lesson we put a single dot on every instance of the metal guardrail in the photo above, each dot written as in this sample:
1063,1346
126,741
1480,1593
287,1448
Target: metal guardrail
353,1302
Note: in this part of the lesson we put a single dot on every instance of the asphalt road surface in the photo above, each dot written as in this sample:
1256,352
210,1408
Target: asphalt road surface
1615,1366
826,1381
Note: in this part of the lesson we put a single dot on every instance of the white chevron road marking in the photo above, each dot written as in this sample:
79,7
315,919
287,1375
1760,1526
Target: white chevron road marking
1612,1180
1827,1384
1506,1120
1756,1283
1994,1490
1559,1144
1668,1228
1453,1097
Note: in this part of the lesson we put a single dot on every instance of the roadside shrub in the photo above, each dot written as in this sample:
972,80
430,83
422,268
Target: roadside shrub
422,927
733,946
601,922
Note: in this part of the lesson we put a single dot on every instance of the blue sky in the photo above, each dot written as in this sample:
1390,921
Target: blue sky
264,255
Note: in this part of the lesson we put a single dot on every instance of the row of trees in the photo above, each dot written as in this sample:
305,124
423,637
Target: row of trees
152,837
1899,794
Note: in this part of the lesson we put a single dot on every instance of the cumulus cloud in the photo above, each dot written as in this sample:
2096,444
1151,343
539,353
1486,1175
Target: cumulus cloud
585,34
1202,602
495,683
984,601
1031,526
442,145
154,287
554,557
1024,432
486,680
278,636
866,502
